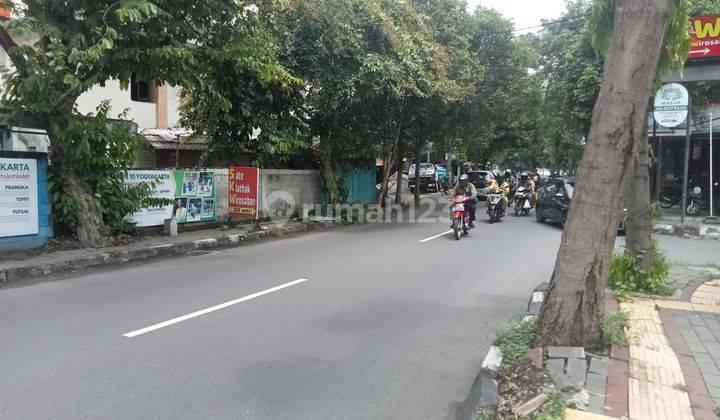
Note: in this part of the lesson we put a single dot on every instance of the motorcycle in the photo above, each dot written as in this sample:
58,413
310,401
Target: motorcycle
522,202
495,206
460,216
671,196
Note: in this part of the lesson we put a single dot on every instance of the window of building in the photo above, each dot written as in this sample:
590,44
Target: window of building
140,91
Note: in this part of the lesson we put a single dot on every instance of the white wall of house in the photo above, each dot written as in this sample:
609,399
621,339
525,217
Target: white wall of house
173,107
143,113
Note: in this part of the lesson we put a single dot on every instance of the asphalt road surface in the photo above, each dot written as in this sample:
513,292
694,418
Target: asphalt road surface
381,321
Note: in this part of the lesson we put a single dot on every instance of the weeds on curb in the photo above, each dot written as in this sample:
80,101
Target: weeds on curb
553,409
615,329
514,342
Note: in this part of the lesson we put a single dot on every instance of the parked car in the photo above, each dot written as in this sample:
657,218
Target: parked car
428,177
481,180
553,200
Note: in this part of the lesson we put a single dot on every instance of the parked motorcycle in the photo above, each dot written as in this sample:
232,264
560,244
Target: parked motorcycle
671,196
460,215
495,206
522,202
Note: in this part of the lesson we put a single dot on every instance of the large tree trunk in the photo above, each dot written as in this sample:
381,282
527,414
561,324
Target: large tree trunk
90,230
573,312
639,226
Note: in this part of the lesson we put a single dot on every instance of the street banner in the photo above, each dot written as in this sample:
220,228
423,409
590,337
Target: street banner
192,194
704,37
164,187
243,192
18,197
671,105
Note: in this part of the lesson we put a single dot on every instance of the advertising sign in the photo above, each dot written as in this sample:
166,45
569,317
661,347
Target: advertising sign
705,37
18,197
671,105
192,194
243,192
164,188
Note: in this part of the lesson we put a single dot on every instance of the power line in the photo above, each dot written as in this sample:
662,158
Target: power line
553,22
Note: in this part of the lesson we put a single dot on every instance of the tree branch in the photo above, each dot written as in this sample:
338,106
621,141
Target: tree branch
7,43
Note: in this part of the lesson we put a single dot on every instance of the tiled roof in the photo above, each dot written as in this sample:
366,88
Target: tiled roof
160,139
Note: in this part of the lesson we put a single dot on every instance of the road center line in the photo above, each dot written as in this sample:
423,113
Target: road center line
211,309
436,236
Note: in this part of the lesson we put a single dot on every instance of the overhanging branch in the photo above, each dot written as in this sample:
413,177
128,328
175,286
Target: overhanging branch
7,43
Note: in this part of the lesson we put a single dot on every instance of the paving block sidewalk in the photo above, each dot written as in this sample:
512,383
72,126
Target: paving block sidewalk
23,269
674,351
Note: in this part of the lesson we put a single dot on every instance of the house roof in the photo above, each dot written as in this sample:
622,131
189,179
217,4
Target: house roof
167,139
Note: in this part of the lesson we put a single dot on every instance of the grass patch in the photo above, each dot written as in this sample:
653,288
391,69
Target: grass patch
514,341
553,409
615,329
626,277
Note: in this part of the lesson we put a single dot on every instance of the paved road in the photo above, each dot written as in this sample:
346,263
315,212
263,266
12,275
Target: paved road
384,326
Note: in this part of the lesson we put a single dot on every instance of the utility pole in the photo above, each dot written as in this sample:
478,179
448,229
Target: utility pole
686,165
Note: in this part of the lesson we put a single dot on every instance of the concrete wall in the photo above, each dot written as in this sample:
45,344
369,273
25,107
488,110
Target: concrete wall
221,193
16,243
280,186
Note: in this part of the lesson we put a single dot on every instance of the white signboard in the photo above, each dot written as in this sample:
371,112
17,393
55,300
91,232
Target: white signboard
164,188
18,197
671,105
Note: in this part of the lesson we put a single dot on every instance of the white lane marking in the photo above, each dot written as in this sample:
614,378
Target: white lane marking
436,236
211,309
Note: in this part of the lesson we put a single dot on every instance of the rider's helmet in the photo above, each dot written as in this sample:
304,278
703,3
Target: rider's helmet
464,180
499,179
524,176
508,173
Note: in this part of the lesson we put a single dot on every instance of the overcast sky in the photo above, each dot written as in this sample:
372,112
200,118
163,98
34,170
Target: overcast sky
524,13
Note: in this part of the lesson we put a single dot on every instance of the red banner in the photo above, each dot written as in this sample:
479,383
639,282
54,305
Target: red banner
243,192
705,37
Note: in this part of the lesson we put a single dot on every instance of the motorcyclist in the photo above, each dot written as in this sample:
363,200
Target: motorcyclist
511,181
465,187
536,177
527,183
500,184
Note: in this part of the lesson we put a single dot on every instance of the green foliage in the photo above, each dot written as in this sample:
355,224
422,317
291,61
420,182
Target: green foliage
553,409
515,340
656,211
101,150
615,329
676,39
261,100
626,277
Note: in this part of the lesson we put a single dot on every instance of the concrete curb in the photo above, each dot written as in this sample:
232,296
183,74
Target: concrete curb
28,272
484,392
688,231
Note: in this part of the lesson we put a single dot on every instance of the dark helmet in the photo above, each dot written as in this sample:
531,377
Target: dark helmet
499,179
464,180
524,176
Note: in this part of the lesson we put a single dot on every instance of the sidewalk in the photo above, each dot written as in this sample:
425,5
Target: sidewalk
25,268
695,227
671,367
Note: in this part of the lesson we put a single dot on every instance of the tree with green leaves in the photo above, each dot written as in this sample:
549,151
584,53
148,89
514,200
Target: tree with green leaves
69,47
360,62
633,32
259,116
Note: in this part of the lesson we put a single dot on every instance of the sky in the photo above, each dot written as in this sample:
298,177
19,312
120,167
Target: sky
525,13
